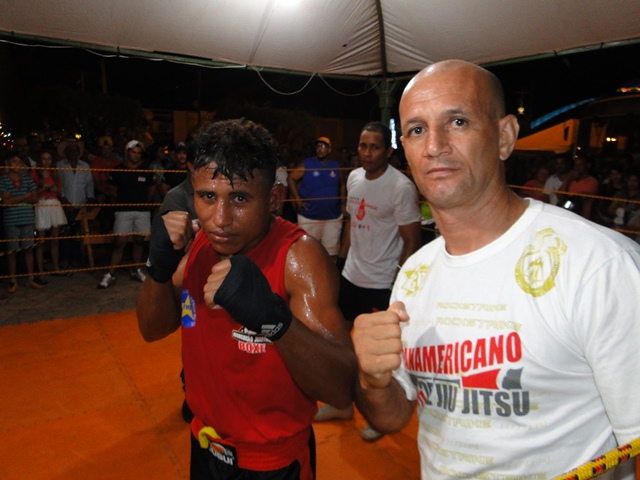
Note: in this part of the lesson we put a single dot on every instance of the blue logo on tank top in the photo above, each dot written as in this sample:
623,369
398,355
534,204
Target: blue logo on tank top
188,310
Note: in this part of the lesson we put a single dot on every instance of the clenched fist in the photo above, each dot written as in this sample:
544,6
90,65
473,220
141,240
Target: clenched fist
240,287
378,345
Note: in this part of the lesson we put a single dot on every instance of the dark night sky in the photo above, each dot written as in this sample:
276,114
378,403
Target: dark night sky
544,85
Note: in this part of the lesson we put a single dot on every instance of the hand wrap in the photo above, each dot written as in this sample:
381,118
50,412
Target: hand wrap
246,295
163,259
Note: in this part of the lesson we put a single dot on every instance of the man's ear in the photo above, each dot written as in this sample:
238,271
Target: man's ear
509,129
390,151
276,197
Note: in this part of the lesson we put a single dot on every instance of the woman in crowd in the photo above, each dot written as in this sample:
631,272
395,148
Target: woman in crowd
49,213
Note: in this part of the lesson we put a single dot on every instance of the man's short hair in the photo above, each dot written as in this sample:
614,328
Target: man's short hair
237,147
379,127
12,154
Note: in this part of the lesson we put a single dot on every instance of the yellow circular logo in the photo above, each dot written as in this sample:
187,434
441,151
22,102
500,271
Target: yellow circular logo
538,266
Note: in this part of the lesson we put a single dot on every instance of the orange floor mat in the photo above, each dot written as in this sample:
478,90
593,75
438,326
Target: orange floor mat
87,398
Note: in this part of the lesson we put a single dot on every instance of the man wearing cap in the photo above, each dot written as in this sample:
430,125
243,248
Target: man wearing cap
131,186
77,190
318,192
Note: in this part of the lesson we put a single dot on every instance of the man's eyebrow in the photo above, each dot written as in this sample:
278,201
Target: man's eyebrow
241,191
450,112
234,191
456,111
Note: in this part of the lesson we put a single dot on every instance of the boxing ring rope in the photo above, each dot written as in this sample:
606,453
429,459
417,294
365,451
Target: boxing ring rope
603,463
105,236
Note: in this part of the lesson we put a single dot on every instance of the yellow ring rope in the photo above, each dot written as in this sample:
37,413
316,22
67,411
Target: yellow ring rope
605,462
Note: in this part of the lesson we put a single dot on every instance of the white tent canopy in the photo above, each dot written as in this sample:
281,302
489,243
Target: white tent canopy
342,37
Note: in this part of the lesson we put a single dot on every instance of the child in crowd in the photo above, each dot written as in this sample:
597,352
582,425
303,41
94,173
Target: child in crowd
18,190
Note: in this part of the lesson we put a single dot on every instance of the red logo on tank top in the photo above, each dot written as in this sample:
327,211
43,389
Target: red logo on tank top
361,210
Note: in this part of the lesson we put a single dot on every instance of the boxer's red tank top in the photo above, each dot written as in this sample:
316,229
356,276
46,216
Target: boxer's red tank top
237,382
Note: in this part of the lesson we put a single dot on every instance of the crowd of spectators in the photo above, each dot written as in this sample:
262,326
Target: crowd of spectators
73,175
603,189
69,173
60,176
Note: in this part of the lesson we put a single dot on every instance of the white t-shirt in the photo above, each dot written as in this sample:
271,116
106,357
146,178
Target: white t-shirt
524,355
551,186
377,208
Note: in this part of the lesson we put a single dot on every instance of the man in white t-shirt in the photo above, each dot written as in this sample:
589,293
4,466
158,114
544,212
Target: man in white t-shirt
383,228
562,165
515,332
382,231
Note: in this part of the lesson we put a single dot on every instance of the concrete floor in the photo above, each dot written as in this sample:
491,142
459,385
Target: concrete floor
65,297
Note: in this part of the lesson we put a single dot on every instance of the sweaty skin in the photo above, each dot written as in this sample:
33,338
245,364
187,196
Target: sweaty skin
235,217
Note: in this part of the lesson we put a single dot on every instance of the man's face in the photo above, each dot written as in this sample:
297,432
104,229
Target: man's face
453,140
22,146
234,218
372,154
560,165
322,150
134,157
581,166
106,150
542,174
181,159
15,164
72,152
615,176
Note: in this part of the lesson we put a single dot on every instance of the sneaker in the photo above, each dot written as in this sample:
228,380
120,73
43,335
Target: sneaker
36,285
13,287
107,281
328,412
369,434
138,275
